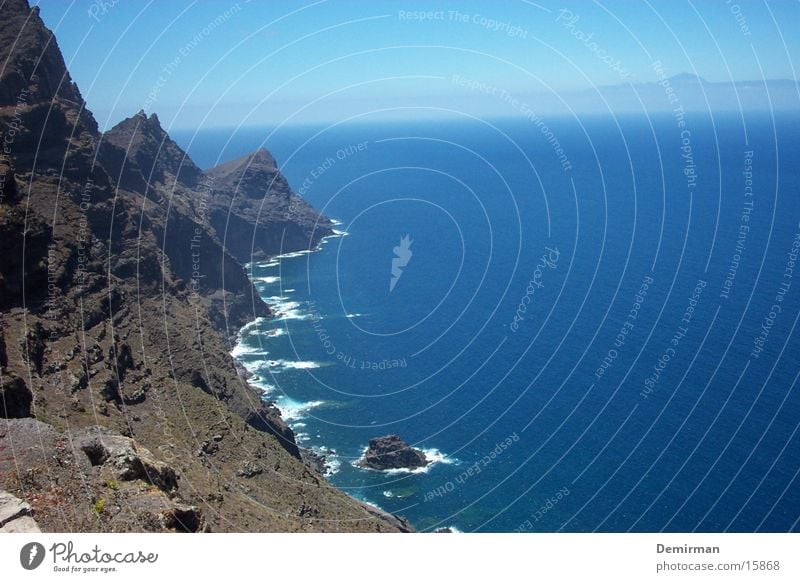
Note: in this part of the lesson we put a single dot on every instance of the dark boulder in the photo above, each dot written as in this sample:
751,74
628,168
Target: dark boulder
34,347
392,452
267,418
184,519
8,183
15,397
314,461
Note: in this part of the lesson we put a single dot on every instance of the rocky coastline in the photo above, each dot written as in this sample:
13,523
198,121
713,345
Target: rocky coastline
122,408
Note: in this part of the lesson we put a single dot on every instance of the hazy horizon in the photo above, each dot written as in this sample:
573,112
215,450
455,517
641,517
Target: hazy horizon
247,64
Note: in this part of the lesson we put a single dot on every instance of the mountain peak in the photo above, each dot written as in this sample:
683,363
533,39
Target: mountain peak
140,148
261,155
32,63
146,123
30,56
35,75
253,175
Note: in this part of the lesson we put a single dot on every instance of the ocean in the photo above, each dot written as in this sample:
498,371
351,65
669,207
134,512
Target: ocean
588,324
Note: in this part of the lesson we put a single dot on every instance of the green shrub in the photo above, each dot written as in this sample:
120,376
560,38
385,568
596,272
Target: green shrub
100,505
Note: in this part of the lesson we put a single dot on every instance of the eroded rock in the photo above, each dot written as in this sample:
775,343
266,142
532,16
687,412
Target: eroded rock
24,524
16,515
250,469
12,508
267,418
392,452
125,460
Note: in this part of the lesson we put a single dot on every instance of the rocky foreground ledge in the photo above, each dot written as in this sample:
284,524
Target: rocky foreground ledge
127,486
16,515
392,452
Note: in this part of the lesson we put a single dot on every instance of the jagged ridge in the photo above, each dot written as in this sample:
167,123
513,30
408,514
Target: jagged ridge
103,321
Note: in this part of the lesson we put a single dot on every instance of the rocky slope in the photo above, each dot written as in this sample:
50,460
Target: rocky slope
120,406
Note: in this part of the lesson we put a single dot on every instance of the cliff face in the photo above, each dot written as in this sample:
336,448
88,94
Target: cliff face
255,213
139,154
118,292
47,132
172,197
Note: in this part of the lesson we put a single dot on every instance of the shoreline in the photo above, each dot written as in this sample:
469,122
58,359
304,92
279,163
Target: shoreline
316,458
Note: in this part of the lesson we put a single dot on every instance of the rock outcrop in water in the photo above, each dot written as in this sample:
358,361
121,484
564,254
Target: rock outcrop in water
119,313
392,452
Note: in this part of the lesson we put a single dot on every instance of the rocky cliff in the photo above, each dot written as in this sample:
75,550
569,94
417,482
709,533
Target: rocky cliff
120,286
256,214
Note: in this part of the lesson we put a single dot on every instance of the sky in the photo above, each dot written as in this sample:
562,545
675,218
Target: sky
203,63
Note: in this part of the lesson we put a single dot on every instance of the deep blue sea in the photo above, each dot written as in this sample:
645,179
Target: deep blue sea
589,325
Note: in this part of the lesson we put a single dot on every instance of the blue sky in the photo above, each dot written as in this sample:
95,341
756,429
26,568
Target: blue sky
223,63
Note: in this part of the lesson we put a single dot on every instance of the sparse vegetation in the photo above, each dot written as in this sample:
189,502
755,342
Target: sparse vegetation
99,505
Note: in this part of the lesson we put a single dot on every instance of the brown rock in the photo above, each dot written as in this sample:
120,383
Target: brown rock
391,452
267,418
125,461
